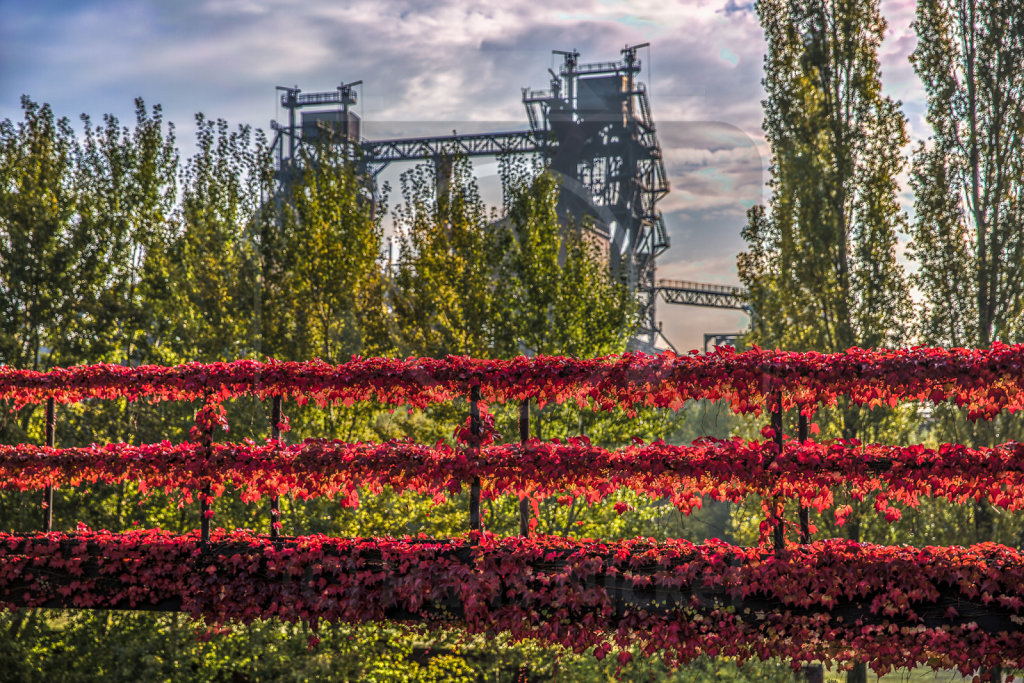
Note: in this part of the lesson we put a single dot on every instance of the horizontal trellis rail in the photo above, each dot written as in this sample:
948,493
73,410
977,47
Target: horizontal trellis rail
957,605
828,600
984,381
724,470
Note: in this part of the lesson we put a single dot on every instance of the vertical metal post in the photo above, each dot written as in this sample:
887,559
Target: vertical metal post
805,517
524,435
275,501
51,429
205,510
778,530
474,430
812,673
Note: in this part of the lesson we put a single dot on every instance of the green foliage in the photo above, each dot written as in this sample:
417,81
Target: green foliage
40,240
127,646
91,645
205,301
77,219
968,179
127,186
323,287
820,266
557,297
968,182
442,294
474,282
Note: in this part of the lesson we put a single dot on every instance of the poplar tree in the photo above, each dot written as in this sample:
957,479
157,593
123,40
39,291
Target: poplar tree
500,283
821,266
442,292
127,186
77,216
324,287
38,256
40,239
554,290
205,293
968,178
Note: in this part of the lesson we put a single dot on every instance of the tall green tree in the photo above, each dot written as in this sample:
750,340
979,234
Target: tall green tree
204,291
968,178
41,264
442,294
500,283
324,284
554,293
77,217
127,186
821,266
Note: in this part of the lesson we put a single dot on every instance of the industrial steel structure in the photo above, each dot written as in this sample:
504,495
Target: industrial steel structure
703,294
594,128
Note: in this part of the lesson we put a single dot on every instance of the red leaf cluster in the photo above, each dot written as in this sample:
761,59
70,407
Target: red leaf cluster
829,601
985,381
725,470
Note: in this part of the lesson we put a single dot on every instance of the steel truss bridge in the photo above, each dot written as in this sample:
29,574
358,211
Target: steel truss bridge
379,153
593,127
703,294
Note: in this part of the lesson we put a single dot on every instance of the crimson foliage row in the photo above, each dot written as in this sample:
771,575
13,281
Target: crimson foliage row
831,600
986,381
726,470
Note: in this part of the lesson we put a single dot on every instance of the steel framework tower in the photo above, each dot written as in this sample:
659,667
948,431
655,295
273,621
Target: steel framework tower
610,162
594,128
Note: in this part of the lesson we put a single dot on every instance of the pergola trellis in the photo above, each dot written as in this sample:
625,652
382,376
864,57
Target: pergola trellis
671,596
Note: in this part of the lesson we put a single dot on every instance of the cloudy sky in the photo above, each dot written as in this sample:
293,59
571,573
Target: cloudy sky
452,62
